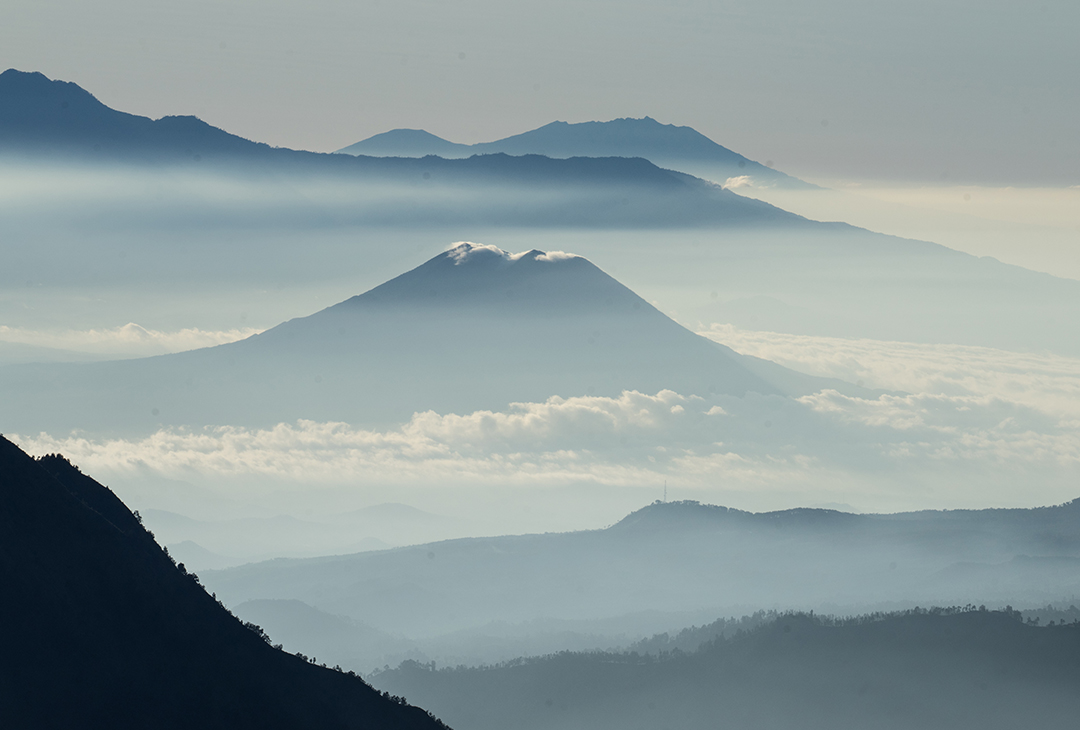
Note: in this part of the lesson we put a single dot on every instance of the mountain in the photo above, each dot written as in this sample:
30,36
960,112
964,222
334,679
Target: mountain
58,122
104,630
410,143
474,328
933,670
685,556
60,119
666,145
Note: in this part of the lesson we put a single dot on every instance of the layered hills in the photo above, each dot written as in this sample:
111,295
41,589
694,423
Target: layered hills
666,145
105,630
475,328
940,669
60,123
685,556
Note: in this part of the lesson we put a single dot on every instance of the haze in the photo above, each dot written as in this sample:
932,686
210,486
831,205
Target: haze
782,320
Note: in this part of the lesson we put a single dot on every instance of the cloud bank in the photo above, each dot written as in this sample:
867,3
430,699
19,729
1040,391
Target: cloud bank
979,449
962,426
130,340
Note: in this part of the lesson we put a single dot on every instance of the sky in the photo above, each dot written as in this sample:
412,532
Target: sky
956,91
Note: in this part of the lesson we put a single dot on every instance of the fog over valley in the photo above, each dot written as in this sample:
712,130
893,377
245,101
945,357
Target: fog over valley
581,424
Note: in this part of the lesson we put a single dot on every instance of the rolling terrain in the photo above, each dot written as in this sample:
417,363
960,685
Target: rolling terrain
688,557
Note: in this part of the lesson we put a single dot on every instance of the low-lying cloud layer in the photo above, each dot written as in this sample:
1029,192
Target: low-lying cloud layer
130,340
1042,381
979,430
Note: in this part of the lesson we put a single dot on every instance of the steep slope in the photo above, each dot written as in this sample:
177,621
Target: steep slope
103,630
474,328
666,145
687,557
972,670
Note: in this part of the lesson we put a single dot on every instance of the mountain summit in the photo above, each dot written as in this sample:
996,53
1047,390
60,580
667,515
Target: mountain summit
474,328
667,145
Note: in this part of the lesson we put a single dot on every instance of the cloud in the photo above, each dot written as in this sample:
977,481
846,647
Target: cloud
462,251
552,256
130,340
742,181
1043,381
636,439
965,426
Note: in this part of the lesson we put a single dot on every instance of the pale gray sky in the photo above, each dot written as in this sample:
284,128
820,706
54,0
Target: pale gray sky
956,90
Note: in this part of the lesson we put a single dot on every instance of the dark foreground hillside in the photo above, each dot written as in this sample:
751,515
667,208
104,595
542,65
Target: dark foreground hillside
919,670
101,629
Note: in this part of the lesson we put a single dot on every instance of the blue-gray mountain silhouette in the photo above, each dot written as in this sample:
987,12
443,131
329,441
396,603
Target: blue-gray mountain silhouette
58,118
104,630
473,328
666,145
61,122
686,556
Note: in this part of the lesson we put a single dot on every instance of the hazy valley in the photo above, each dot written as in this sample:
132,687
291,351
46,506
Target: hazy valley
578,428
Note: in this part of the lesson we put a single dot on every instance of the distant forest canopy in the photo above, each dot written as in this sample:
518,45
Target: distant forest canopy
964,667
694,638
701,638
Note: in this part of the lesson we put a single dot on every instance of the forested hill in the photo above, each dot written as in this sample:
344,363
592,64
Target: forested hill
102,629
955,670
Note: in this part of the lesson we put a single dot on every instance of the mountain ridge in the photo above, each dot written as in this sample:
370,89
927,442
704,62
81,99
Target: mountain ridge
666,145
58,122
685,556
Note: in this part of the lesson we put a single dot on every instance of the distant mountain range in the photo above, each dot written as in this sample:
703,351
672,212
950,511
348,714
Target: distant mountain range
61,123
104,630
753,265
686,556
475,328
949,670
666,145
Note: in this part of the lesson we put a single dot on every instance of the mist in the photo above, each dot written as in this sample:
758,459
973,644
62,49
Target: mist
469,396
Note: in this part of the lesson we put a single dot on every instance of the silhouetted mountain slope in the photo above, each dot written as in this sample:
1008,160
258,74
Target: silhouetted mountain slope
666,145
103,630
474,328
975,670
333,639
686,557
